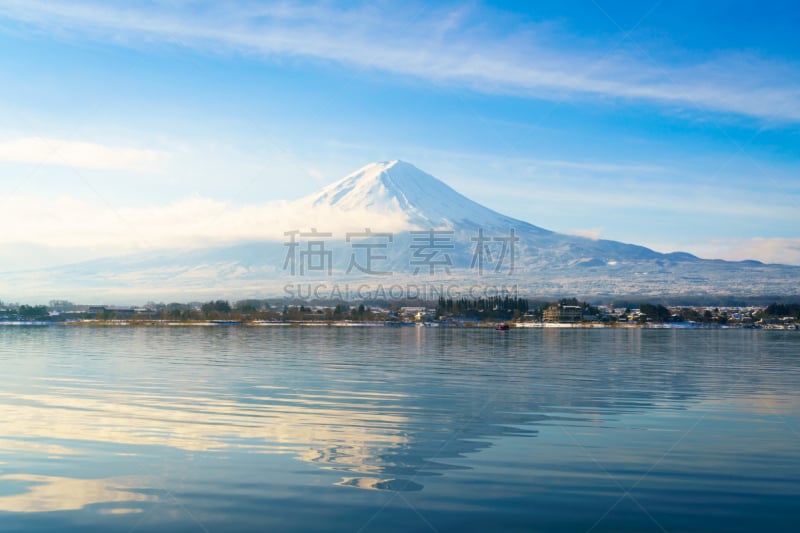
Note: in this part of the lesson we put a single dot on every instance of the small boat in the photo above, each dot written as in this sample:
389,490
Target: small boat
501,327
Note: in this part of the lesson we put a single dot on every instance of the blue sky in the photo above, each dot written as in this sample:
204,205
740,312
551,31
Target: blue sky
668,124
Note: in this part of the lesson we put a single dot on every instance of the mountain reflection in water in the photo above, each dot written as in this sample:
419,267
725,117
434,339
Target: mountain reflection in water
117,421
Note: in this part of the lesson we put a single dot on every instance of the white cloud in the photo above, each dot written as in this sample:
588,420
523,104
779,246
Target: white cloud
592,233
72,223
783,250
80,154
49,231
457,46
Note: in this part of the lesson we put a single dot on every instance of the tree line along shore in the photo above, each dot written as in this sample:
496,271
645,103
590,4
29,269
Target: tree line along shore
463,311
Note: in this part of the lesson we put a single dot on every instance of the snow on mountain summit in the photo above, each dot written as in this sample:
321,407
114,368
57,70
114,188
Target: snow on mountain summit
396,189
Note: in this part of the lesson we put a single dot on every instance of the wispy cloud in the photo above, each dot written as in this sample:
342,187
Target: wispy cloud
768,250
550,194
454,46
87,229
191,222
601,167
80,154
591,233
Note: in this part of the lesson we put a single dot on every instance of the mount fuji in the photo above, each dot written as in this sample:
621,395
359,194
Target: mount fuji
390,223
400,191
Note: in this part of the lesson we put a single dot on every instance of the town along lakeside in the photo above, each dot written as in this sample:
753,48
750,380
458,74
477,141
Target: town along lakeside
485,312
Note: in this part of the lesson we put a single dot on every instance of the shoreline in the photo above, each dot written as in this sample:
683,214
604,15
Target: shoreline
384,324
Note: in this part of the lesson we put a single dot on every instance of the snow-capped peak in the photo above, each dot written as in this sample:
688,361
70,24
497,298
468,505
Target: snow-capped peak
398,189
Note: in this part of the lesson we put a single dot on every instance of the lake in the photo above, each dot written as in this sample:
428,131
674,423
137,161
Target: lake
398,429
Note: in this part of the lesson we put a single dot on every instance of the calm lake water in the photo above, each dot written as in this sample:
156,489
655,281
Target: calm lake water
398,429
